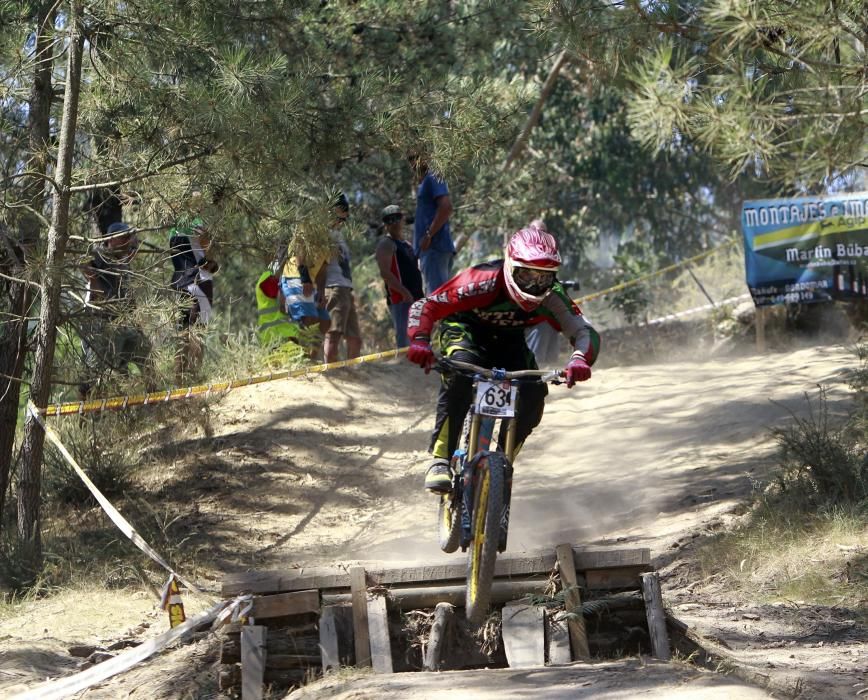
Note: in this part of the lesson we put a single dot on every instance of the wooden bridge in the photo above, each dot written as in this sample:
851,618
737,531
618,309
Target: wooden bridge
550,607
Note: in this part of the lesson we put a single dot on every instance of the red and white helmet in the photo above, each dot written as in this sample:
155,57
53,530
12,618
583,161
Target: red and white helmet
532,259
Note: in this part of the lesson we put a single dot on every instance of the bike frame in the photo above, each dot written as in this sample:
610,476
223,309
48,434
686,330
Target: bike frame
475,514
477,438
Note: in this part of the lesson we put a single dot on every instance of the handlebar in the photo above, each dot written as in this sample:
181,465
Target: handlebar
444,364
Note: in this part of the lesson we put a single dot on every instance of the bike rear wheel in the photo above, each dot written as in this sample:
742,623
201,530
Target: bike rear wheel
488,489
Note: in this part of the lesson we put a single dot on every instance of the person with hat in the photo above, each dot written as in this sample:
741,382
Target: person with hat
340,301
399,269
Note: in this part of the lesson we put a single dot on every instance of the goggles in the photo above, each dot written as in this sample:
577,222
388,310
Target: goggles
532,281
393,218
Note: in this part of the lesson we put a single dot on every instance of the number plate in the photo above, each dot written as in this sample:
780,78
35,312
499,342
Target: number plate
495,399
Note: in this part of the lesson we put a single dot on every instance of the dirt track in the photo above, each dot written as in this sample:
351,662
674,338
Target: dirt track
330,469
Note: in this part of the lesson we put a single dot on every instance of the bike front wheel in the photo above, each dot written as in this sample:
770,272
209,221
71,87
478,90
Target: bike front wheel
488,491
449,522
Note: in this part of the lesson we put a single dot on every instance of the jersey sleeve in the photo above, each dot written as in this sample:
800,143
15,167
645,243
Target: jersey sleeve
565,315
473,288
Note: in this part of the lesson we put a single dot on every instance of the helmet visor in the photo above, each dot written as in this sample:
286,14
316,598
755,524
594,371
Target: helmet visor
532,281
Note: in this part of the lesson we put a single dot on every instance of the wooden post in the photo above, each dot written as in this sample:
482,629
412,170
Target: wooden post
378,630
655,615
252,661
328,638
573,602
359,592
437,637
760,326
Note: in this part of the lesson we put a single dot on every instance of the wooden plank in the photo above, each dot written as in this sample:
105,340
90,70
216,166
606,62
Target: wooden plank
656,615
557,639
359,588
328,638
280,604
572,602
613,579
429,596
437,637
413,572
252,661
292,630
523,631
378,629
293,661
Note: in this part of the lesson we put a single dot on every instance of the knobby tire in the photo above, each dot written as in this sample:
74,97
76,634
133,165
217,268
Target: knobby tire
449,522
485,528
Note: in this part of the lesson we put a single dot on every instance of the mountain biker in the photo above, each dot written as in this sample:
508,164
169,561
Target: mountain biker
483,312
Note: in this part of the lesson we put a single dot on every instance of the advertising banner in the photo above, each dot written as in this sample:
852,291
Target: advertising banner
806,249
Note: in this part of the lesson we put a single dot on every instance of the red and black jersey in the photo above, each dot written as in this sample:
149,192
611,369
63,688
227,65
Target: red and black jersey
478,295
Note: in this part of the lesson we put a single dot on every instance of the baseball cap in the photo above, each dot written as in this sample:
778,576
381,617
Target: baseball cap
391,211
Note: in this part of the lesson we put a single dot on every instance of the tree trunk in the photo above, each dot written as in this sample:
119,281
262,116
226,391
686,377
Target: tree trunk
16,297
535,113
30,476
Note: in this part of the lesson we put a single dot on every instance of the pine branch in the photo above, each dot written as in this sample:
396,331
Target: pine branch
141,176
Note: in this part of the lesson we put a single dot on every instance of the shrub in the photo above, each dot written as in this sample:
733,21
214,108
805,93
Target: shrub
820,462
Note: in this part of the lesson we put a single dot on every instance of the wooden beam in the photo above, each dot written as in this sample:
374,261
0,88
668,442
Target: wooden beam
437,637
656,616
280,604
572,602
378,628
252,661
414,597
359,589
541,562
614,579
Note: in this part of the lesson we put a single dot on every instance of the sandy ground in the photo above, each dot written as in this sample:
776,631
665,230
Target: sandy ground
329,470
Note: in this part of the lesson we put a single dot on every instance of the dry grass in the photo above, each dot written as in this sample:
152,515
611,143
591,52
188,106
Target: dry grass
780,555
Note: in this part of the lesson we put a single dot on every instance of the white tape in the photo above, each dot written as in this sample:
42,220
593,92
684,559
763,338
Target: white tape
113,513
695,310
70,685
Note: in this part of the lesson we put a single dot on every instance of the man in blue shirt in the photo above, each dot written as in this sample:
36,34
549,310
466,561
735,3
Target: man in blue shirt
432,239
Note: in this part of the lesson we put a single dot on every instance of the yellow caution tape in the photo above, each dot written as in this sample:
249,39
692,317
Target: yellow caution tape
120,403
661,271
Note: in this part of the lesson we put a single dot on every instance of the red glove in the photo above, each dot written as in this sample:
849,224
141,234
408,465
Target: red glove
577,369
421,353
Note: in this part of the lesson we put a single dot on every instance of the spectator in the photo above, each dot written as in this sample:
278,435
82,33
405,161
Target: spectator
302,292
399,269
109,339
432,238
193,279
274,328
340,303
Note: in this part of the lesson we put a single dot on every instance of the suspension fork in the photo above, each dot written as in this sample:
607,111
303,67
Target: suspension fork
479,439
509,451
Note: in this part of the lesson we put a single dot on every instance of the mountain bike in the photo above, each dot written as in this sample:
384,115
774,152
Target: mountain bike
474,515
